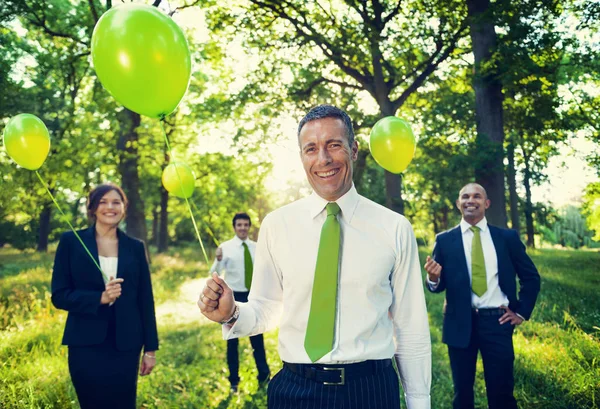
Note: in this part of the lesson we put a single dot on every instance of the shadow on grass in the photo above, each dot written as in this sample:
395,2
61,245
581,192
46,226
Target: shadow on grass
540,387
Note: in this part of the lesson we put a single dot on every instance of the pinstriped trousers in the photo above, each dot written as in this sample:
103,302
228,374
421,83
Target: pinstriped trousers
381,390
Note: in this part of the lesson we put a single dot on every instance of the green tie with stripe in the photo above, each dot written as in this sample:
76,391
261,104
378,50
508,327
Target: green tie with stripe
478,274
248,268
321,320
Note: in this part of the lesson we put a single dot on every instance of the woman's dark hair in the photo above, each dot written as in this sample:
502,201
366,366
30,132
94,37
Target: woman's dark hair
93,200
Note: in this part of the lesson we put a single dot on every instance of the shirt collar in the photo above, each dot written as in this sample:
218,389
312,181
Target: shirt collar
238,241
464,226
347,203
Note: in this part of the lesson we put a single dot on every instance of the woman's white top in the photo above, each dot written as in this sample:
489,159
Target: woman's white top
109,267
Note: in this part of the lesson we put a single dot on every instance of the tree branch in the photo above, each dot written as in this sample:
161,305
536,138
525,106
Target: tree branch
392,14
344,84
40,22
304,30
185,6
93,10
431,65
358,9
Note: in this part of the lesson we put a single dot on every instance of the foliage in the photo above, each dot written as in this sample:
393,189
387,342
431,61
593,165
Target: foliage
571,230
591,208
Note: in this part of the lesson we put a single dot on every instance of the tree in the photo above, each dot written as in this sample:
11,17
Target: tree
488,108
381,50
533,67
591,208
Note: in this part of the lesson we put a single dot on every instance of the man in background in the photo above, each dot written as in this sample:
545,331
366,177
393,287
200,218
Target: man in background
235,259
477,265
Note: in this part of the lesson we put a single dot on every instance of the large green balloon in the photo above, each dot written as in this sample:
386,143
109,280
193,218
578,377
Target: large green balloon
27,141
179,180
392,144
142,58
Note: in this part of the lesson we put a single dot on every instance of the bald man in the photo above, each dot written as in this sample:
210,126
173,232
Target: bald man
477,265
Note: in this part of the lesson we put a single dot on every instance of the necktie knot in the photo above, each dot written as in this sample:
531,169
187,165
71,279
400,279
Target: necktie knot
475,229
332,209
244,244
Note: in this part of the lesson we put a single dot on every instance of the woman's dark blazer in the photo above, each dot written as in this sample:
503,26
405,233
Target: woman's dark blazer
77,287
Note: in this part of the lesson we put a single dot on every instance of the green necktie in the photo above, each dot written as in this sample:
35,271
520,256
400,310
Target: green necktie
247,266
478,275
321,321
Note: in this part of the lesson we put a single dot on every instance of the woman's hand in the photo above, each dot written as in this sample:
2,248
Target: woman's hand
112,291
148,363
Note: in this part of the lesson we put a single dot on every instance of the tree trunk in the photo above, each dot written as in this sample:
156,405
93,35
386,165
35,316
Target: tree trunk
393,182
488,110
528,206
44,231
154,235
359,168
445,212
163,232
128,168
434,218
512,188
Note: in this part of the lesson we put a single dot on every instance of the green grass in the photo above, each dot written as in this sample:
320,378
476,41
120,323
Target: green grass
556,366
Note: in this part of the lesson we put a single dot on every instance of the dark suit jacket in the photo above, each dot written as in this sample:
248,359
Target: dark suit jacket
513,262
77,287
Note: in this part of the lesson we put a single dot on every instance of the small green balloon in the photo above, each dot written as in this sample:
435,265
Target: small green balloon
392,144
179,180
142,58
27,141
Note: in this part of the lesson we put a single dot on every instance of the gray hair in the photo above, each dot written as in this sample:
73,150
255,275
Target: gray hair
328,111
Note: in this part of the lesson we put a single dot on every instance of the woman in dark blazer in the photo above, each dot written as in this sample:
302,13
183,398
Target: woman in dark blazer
111,313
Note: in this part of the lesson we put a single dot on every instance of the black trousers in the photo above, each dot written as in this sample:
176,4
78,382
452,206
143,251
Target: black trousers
258,346
103,376
494,341
379,389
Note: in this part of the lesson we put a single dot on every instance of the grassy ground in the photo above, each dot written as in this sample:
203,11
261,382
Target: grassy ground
557,352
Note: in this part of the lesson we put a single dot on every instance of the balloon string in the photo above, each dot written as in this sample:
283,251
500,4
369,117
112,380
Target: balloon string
208,229
181,187
71,226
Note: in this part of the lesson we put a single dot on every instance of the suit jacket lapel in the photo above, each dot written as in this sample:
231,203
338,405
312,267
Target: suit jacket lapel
123,253
88,237
499,246
459,249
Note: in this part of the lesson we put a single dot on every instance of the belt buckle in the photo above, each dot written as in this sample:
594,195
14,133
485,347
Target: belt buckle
342,376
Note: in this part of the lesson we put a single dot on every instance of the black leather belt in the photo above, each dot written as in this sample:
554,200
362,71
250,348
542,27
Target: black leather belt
338,374
489,312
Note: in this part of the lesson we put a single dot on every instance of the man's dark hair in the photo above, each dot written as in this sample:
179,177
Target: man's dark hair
328,111
241,216
93,200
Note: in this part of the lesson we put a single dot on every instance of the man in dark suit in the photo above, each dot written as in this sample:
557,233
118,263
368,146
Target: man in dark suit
477,264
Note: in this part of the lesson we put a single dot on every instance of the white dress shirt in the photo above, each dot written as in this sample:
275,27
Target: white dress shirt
232,265
493,297
380,304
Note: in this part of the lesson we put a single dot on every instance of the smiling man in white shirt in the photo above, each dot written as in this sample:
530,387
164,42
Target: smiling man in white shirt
340,276
234,259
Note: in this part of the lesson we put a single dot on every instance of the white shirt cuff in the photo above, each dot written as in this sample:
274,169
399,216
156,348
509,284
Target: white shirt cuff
418,402
431,284
242,327
520,316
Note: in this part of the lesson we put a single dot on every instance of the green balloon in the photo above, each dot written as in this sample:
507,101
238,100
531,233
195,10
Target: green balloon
392,144
142,58
179,180
27,141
